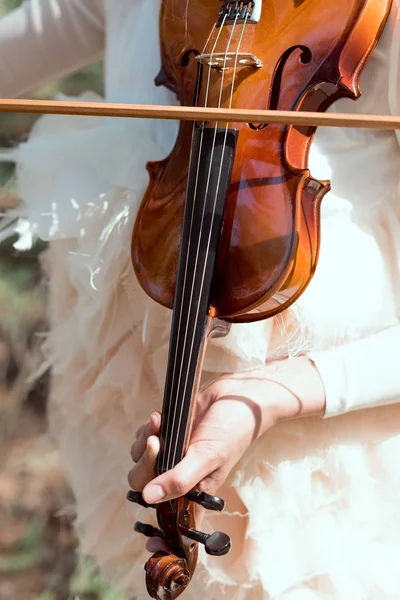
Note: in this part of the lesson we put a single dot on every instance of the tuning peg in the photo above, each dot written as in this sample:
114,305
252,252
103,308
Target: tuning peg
206,501
215,544
137,498
147,530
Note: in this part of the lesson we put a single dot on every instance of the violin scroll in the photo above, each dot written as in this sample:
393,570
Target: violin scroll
164,571
168,574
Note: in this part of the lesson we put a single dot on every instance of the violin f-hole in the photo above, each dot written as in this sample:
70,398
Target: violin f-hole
305,58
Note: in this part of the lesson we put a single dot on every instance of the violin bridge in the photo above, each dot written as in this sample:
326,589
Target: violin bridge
228,60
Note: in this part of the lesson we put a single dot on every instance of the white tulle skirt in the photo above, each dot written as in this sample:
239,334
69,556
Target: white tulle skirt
313,508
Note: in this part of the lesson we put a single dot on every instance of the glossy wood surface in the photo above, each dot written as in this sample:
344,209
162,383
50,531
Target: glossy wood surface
270,241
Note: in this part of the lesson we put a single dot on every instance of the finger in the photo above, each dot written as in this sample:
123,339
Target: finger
156,544
197,465
152,423
143,471
152,427
141,429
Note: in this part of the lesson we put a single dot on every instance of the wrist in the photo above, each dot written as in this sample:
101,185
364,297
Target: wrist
295,388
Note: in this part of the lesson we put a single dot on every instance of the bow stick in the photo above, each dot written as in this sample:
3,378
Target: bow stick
103,109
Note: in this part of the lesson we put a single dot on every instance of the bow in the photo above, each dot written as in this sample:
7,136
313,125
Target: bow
191,113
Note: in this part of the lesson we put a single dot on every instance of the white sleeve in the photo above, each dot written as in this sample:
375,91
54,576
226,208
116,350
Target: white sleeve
366,373
361,374
46,39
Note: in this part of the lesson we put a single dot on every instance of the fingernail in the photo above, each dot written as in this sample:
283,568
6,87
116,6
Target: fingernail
153,494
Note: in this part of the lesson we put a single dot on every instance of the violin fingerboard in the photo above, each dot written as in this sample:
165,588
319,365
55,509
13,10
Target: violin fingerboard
208,184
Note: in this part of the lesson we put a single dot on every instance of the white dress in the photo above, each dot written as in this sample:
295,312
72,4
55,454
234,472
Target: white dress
313,506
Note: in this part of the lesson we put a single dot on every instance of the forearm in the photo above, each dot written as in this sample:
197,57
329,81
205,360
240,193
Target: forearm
45,39
297,388
350,377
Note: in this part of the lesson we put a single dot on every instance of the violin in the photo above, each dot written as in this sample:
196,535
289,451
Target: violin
229,228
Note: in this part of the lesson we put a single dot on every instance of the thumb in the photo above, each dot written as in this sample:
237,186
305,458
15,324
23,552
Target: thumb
193,468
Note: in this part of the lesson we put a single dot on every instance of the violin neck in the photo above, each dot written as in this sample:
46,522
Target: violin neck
209,176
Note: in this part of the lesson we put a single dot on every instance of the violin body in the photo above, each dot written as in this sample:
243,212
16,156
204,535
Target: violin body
312,54
229,228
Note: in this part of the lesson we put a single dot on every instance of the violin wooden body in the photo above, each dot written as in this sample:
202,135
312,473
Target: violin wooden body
312,54
229,227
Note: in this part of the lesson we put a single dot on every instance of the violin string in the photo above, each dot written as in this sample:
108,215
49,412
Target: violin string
231,96
168,440
213,30
224,145
236,60
199,241
178,388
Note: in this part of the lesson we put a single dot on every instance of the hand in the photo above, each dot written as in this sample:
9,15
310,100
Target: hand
231,413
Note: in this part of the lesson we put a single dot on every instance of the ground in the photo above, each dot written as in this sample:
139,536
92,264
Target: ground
38,557
37,543
38,548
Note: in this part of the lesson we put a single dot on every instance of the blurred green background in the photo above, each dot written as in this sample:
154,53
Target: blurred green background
38,548
17,278
14,127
